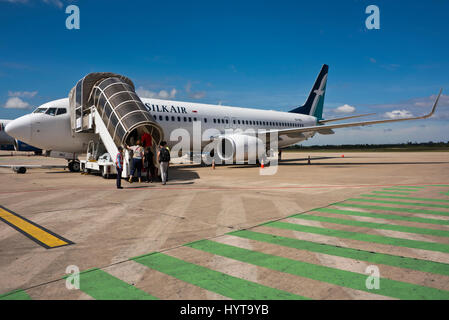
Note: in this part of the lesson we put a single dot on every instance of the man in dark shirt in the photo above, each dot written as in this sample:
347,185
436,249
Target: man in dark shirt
149,164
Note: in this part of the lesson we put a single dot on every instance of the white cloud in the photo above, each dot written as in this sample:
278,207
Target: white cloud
22,94
57,3
15,1
198,95
372,60
417,106
163,94
194,95
397,114
16,103
346,108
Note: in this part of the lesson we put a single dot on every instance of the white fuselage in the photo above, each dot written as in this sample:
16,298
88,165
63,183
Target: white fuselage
53,131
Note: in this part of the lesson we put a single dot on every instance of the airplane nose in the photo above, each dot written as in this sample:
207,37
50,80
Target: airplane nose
20,129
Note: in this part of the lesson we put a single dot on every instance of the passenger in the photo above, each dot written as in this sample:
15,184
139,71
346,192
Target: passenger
149,164
137,160
146,140
119,167
163,157
168,165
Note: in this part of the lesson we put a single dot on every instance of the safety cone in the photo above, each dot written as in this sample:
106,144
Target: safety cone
262,164
213,164
342,155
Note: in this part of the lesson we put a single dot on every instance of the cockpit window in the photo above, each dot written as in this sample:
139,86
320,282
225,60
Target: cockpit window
40,110
61,111
51,111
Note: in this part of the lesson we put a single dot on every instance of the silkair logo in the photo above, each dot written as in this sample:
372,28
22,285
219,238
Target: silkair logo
161,108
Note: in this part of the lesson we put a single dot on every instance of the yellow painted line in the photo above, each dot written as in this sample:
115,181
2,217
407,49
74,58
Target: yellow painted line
35,232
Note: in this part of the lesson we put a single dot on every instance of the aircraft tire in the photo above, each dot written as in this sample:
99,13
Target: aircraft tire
20,170
74,166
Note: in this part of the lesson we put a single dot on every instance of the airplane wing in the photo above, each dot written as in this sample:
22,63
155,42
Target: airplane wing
19,168
327,128
345,118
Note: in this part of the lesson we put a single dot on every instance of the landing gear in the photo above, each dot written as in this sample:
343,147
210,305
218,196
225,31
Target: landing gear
20,170
74,166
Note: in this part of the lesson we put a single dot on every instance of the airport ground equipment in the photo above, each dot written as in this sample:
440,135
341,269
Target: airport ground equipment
107,104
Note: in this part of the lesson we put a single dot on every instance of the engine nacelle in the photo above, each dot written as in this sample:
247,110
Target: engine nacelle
239,148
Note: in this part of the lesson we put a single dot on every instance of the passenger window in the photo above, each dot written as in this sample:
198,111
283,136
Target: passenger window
167,118
215,121
172,118
160,118
194,119
51,111
238,121
185,119
190,119
227,121
179,118
205,120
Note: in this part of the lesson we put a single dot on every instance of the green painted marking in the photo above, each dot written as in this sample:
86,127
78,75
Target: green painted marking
445,193
400,189
404,203
212,280
391,192
417,187
374,225
438,185
372,257
405,198
363,206
431,246
101,285
383,216
15,295
348,279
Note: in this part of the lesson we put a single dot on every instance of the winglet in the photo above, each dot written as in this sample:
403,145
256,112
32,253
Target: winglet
434,105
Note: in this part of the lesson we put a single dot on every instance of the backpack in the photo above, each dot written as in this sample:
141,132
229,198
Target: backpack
164,155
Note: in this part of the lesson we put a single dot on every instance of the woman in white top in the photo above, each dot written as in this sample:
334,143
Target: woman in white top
137,160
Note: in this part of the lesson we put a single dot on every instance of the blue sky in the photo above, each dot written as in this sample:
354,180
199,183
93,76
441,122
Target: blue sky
261,54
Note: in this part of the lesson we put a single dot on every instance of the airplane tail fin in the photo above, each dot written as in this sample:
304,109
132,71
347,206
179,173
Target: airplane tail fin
315,101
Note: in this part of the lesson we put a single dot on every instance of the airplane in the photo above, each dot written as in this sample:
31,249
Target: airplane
49,126
9,143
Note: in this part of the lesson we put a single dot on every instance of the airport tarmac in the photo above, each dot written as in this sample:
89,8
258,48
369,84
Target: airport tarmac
308,231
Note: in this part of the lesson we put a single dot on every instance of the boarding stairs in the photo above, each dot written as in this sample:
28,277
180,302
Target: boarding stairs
106,104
